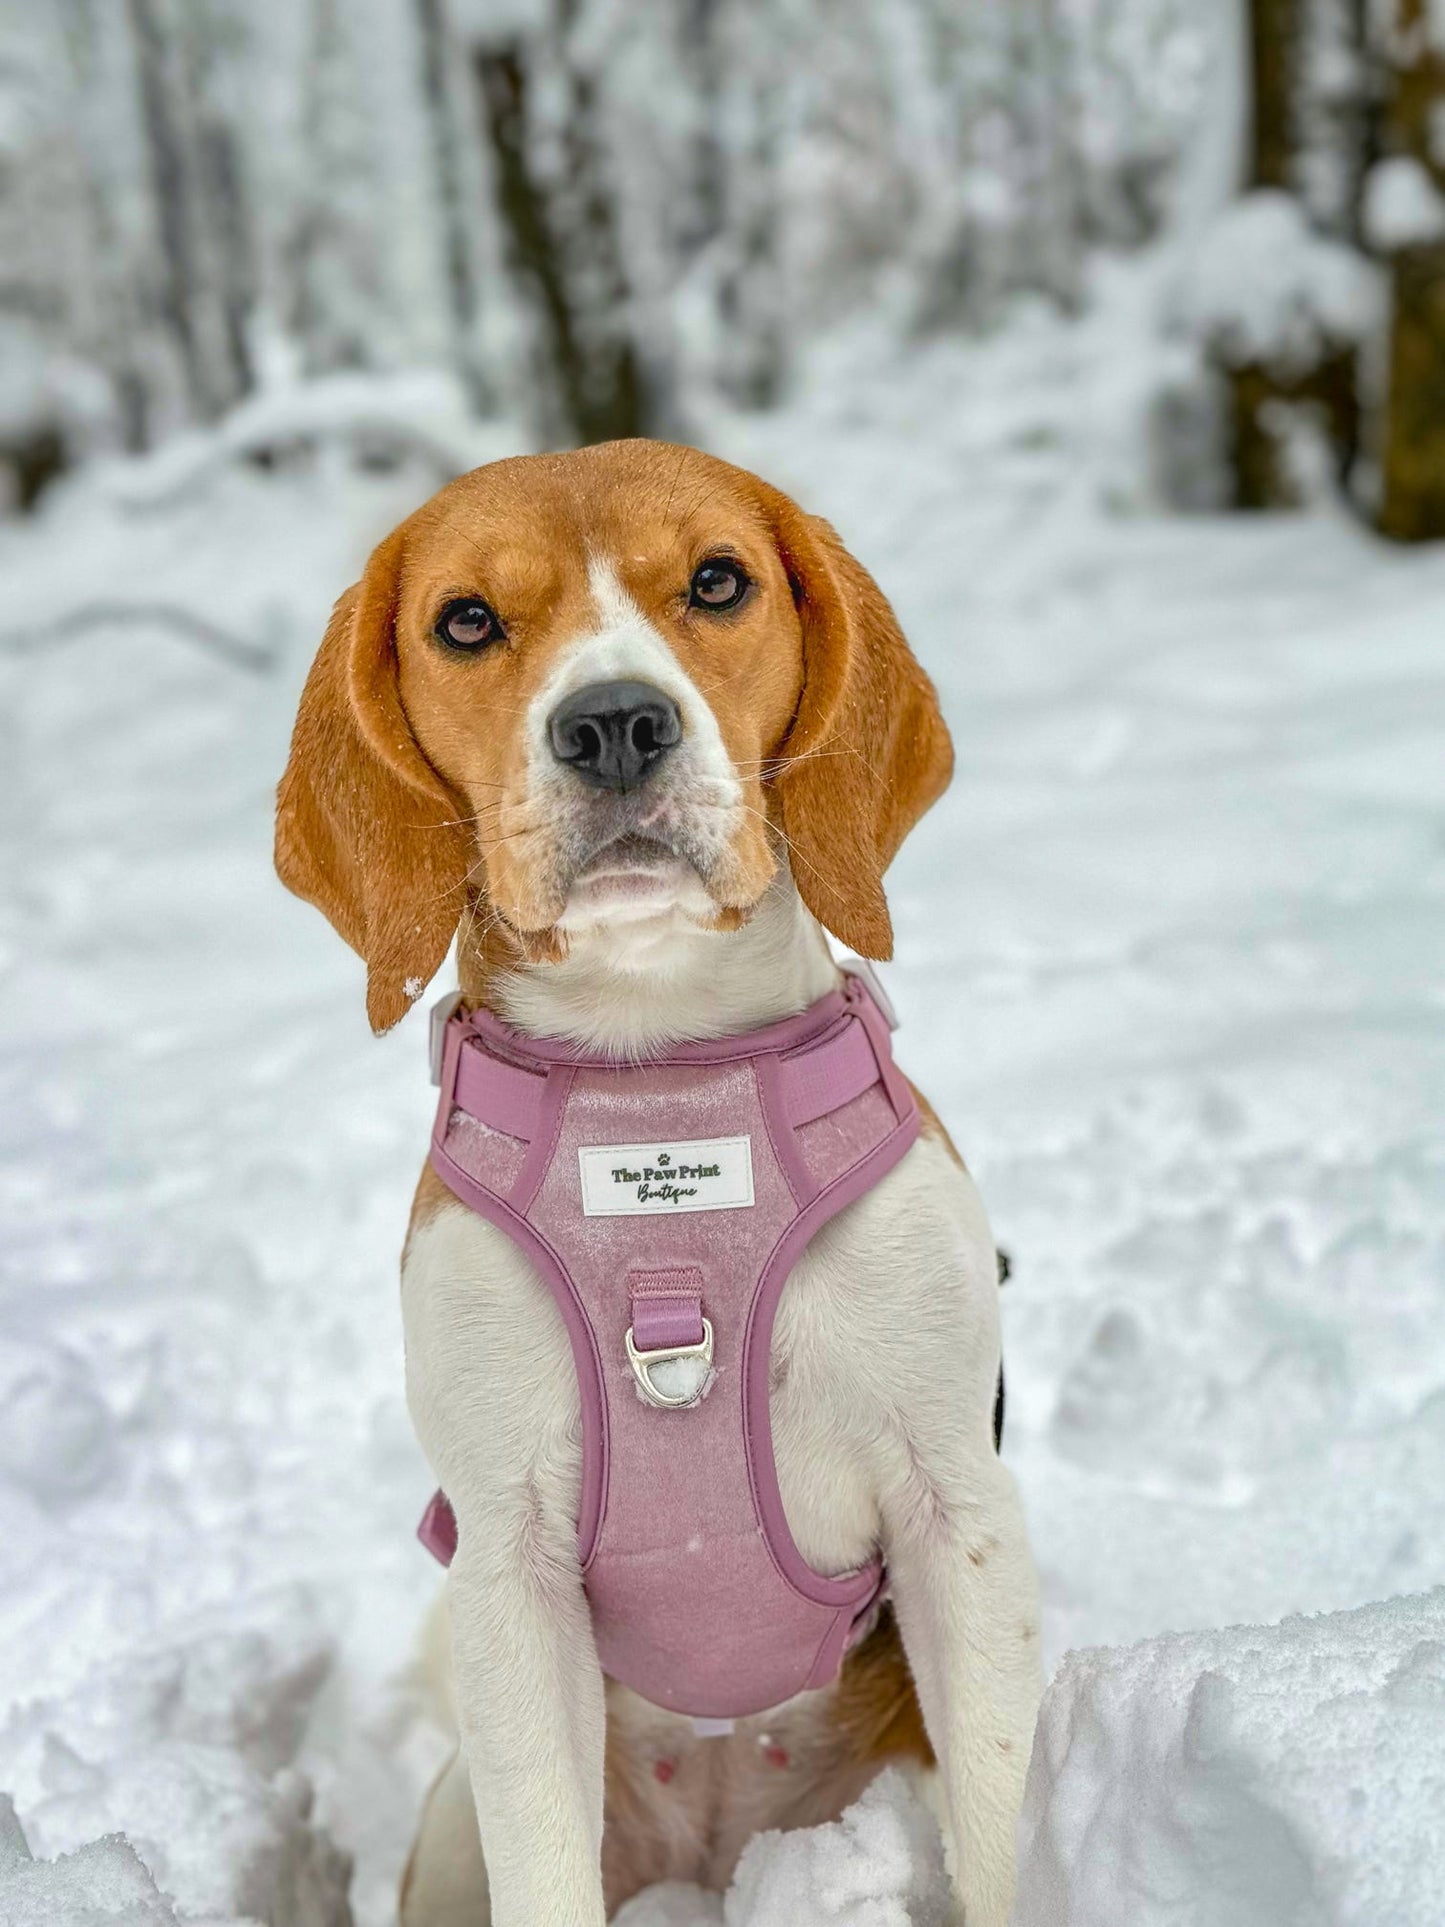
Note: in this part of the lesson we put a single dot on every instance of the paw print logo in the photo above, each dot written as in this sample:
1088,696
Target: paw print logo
664,1157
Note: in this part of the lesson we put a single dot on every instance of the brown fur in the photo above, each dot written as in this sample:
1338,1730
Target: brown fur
430,1196
364,824
867,752
934,1126
403,811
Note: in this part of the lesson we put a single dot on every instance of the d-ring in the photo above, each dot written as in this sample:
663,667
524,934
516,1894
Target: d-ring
643,1362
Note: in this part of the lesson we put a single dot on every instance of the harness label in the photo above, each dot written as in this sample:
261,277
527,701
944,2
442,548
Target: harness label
703,1174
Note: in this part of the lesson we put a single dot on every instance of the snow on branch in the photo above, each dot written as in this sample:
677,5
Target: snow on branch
1264,287
419,418
1403,206
73,625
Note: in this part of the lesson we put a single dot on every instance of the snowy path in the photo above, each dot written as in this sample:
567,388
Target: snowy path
1171,963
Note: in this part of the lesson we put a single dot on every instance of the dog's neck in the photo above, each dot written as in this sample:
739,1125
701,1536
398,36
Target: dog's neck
641,986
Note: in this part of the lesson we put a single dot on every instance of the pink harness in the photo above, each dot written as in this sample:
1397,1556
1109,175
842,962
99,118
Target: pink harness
665,1203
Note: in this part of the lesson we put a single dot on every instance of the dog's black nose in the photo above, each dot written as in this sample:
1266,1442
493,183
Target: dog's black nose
614,734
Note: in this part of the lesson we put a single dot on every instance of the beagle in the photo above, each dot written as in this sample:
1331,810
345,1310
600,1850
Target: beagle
633,730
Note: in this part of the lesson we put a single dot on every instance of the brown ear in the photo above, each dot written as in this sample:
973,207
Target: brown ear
365,828
867,751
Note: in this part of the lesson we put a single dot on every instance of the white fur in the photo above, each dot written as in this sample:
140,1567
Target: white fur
650,984
695,794
888,1329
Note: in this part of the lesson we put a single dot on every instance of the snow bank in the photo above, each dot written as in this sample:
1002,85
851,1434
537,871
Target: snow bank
1259,1776
102,1885
163,1787
1287,1776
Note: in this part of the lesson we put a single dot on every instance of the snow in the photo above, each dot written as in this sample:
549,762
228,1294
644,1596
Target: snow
185,1754
880,1865
39,388
1250,1776
1169,963
1403,207
1284,1776
382,421
1263,286
104,1884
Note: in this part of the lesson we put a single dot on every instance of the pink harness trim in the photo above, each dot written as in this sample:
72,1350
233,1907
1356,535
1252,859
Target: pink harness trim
700,1599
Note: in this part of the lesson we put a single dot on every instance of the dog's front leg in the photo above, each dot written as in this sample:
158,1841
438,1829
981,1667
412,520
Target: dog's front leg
967,1603
493,1394
530,1709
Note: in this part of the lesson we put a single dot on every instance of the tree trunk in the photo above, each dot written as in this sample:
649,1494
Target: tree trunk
436,57
330,299
561,227
1334,116
1260,393
1412,506
1044,109
177,275
1258,472
703,50
120,337
223,195
1274,45
204,288
750,303
1329,390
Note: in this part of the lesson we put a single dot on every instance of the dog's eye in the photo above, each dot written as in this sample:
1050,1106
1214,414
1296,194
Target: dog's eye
468,623
718,583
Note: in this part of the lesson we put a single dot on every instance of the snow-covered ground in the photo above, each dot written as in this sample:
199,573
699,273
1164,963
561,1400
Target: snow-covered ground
1172,965
1288,1776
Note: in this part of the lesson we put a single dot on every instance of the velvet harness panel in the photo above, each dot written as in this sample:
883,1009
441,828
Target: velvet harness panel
665,1202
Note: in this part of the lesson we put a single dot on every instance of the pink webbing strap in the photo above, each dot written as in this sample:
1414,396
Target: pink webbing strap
666,1307
502,1096
813,1079
824,1077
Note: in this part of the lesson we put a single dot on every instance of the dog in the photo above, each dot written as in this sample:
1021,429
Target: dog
634,730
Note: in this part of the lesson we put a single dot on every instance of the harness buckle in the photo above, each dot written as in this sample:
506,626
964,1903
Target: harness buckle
642,1364
442,1013
872,981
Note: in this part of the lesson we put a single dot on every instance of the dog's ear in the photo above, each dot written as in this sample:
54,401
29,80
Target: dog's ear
867,750
365,828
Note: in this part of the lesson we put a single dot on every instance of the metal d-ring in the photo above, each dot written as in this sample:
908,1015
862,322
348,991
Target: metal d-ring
643,1362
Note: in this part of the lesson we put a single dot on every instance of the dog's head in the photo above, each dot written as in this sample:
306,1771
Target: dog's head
620,684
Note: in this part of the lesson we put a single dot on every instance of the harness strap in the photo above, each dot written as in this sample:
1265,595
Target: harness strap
666,1308
502,1096
700,1598
826,1076
813,1081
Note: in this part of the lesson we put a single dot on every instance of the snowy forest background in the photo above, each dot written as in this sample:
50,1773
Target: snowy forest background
590,213
1032,300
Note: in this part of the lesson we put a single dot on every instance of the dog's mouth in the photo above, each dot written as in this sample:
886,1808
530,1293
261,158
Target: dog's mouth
634,876
628,855
662,856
